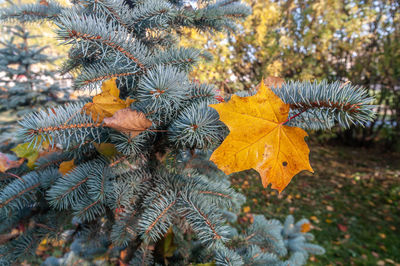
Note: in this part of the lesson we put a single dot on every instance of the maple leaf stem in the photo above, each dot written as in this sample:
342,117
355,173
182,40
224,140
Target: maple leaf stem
294,116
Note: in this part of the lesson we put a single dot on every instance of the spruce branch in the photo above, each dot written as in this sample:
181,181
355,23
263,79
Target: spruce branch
156,218
87,209
150,14
19,193
89,29
162,89
32,12
183,58
197,126
92,75
225,256
207,224
71,188
115,10
321,104
63,124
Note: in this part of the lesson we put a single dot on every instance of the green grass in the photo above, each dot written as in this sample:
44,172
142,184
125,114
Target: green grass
352,200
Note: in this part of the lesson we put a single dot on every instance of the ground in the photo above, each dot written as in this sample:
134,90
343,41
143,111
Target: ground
352,200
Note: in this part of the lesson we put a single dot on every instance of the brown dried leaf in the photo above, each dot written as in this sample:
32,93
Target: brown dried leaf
128,121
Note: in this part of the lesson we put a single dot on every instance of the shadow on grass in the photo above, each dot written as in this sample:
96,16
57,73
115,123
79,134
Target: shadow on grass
353,201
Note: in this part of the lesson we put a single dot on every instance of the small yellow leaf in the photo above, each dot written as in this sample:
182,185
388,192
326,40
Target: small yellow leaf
128,121
106,149
107,103
66,167
24,150
168,245
259,139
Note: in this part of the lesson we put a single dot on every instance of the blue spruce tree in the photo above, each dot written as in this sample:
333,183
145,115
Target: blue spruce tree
23,88
155,195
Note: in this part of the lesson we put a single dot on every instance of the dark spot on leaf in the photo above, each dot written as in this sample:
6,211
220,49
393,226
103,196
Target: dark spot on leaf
284,163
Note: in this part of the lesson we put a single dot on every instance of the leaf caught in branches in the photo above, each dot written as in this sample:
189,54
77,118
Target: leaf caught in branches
259,139
24,150
66,167
128,121
106,149
107,103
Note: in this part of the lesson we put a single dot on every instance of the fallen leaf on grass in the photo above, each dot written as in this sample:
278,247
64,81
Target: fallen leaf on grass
342,227
246,209
329,208
305,227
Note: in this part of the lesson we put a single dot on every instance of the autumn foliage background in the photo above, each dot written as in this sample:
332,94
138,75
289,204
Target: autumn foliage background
352,200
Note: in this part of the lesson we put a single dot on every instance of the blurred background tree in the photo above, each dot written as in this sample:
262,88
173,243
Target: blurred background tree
28,77
351,40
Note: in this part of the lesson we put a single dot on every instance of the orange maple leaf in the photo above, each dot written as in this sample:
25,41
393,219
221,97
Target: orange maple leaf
259,139
107,103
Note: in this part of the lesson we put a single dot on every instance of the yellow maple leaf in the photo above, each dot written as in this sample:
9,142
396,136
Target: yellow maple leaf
110,86
66,167
259,139
107,103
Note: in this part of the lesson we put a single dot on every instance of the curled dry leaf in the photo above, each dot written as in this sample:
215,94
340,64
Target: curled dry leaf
276,151
128,121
